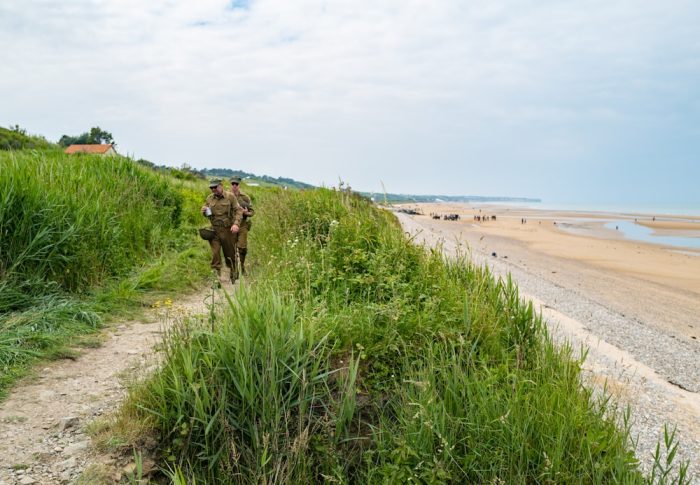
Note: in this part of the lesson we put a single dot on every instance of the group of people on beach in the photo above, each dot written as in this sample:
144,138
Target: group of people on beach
445,217
229,213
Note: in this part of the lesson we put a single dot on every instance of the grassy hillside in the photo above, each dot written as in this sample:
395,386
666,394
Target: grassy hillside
81,237
18,139
357,357
262,180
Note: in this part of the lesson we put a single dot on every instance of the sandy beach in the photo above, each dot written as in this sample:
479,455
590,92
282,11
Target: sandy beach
634,305
658,284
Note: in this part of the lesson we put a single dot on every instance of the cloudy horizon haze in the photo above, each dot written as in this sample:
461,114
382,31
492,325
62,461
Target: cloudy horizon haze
588,101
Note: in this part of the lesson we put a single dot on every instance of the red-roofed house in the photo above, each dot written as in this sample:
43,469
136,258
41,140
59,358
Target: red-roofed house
93,149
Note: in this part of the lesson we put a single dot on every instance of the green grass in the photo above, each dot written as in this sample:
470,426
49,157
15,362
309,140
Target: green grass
17,138
84,239
358,357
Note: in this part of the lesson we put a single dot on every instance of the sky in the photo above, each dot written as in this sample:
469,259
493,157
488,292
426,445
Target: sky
588,101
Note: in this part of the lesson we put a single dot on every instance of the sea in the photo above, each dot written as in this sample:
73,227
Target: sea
651,209
628,228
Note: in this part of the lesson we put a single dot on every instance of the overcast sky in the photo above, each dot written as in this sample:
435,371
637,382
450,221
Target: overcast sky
571,101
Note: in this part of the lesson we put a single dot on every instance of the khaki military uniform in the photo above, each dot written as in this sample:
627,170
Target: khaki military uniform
242,241
225,212
245,202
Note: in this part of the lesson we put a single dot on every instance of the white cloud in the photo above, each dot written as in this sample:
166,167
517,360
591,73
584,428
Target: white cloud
365,90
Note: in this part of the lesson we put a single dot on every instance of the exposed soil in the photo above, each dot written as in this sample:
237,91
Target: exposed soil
43,421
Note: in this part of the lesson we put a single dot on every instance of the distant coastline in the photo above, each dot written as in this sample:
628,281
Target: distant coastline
408,198
610,208
633,209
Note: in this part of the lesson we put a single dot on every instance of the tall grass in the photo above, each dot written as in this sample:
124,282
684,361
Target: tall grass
80,236
358,357
245,401
72,221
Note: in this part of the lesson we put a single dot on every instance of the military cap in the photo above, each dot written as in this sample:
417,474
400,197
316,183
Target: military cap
236,180
214,183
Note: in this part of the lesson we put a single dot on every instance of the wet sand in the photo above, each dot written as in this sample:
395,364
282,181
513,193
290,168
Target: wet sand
656,284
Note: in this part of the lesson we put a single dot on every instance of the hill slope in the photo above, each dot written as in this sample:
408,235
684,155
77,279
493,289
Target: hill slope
18,139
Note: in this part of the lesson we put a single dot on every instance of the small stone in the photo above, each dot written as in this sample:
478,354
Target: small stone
129,468
68,464
65,476
68,422
27,480
71,450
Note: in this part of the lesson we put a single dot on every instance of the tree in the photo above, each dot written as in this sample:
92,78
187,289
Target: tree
95,136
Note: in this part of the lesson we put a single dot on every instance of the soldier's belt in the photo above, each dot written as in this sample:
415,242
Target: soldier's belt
221,223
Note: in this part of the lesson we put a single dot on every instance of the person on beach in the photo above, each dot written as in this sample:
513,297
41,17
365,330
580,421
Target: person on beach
248,212
225,215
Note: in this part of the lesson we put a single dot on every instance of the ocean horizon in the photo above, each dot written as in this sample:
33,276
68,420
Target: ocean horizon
670,209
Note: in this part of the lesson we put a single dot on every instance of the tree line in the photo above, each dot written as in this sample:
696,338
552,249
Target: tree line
96,136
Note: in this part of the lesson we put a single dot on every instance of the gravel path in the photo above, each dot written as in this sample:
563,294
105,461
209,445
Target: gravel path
652,370
44,420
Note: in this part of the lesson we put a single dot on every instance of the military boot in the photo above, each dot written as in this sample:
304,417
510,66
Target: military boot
241,258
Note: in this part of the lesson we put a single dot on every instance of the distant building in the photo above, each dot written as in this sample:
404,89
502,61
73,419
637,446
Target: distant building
106,150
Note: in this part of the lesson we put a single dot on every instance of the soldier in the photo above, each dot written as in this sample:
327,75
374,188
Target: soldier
248,212
225,215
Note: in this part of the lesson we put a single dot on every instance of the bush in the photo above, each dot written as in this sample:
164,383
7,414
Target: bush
380,362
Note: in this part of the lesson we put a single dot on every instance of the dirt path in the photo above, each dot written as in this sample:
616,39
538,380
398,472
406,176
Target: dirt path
43,422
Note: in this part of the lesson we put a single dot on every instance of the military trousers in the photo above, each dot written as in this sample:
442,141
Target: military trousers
224,241
242,240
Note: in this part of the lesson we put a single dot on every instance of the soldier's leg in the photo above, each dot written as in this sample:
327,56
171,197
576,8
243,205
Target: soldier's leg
242,246
215,245
241,258
228,244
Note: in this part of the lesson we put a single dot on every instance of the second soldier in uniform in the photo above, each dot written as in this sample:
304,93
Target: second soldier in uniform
248,212
226,217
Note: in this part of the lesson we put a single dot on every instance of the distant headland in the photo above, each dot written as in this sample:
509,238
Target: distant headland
407,198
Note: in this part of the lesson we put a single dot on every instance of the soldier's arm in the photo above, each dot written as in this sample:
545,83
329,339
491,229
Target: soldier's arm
251,212
237,215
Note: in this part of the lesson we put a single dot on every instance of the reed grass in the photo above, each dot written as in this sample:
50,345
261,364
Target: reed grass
83,237
358,357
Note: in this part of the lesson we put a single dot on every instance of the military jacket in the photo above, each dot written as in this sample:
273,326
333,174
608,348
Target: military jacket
225,210
245,202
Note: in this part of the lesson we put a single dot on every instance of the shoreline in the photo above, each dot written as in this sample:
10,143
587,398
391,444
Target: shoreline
641,334
593,240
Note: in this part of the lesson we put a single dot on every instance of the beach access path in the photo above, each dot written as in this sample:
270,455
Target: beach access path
635,306
45,421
